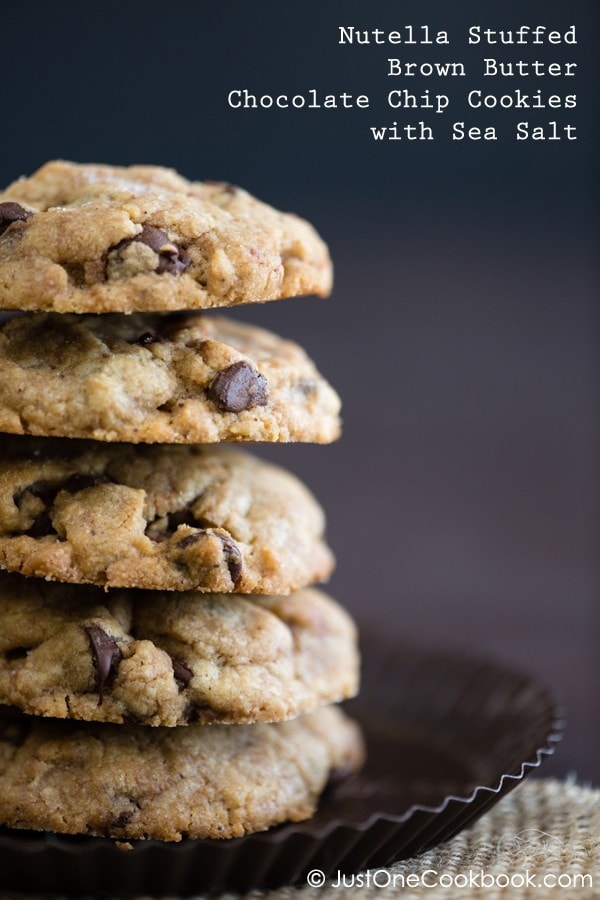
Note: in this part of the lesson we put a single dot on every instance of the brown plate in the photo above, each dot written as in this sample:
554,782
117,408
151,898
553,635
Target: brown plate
447,737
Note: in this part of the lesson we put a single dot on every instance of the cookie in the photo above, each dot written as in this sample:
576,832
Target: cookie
96,238
152,378
168,659
157,516
200,781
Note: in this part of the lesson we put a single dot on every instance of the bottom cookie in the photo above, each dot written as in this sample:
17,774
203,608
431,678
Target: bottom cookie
196,781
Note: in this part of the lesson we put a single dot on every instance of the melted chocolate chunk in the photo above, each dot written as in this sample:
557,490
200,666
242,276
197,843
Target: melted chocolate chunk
181,672
107,657
239,387
171,258
233,557
190,540
12,212
231,551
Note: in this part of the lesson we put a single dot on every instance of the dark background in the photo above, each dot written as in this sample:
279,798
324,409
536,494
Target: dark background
463,499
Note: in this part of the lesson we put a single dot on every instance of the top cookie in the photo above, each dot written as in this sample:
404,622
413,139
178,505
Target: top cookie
94,238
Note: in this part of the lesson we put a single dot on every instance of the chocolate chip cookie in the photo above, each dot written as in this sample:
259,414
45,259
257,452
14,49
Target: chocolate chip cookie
158,517
155,658
96,238
199,781
152,378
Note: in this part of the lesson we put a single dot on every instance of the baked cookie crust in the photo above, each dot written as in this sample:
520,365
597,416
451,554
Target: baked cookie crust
97,238
167,379
200,781
155,658
161,517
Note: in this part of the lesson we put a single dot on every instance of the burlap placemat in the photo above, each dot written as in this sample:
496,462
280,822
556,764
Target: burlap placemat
545,831
542,841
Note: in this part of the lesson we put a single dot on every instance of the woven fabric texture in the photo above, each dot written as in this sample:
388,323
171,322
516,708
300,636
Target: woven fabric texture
545,829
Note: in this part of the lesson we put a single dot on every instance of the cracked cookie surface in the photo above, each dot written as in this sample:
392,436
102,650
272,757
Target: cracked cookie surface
155,658
97,238
157,516
151,378
199,781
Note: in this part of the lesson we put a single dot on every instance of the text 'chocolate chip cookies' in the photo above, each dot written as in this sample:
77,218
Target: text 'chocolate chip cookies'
155,587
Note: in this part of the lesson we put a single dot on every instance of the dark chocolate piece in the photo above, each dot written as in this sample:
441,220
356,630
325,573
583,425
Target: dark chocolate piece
190,540
181,672
12,212
239,387
233,558
171,258
107,657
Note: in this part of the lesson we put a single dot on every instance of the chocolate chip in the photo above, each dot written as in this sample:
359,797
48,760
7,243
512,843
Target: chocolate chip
107,657
171,258
181,672
239,387
155,238
149,337
12,212
190,540
233,557
231,551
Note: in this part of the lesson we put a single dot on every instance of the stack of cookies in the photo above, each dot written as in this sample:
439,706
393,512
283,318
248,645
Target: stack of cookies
166,670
